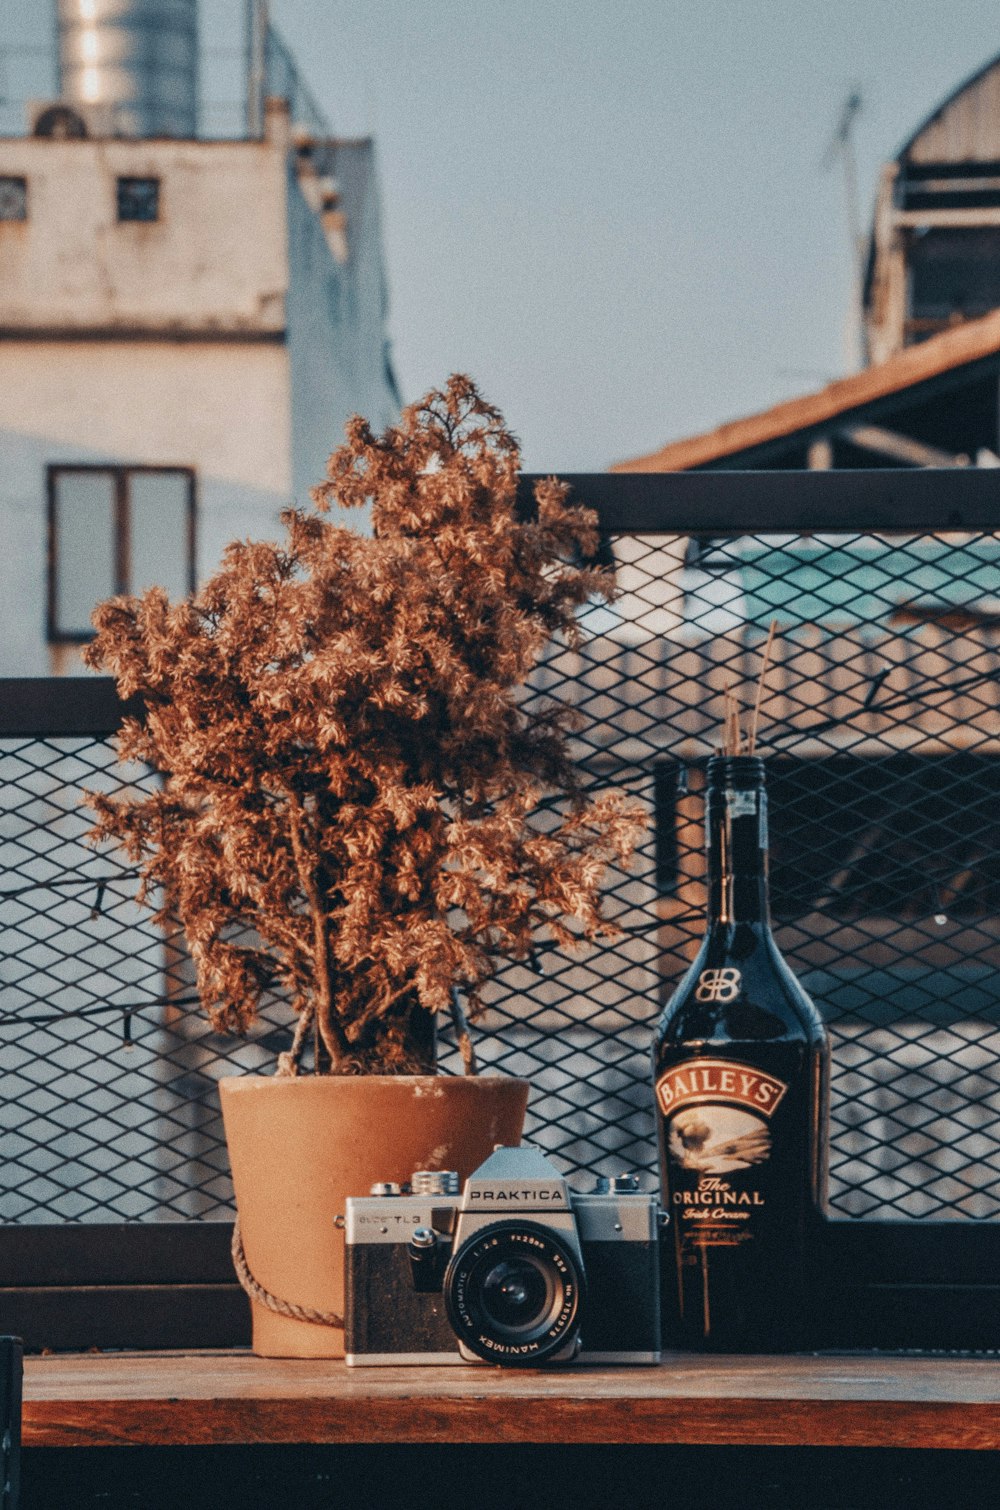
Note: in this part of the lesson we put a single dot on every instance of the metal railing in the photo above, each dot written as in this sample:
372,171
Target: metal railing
881,724
231,98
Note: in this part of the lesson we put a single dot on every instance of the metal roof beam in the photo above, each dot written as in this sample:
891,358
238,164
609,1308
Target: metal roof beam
914,453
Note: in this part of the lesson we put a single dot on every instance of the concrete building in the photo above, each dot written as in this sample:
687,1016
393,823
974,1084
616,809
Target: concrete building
185,325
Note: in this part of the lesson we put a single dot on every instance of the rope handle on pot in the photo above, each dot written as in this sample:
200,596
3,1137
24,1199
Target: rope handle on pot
257,1292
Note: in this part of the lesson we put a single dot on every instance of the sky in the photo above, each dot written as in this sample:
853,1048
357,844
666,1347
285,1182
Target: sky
614,214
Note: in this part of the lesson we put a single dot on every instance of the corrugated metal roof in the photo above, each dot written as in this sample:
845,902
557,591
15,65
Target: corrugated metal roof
967,343
965,127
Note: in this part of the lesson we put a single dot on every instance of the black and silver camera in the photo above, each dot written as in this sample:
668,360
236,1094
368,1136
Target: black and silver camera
518,1269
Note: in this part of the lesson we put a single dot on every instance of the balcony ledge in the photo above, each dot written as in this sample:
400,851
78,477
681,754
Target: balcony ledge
234,1398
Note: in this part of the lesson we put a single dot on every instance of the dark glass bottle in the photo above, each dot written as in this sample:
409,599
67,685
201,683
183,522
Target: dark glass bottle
740,1065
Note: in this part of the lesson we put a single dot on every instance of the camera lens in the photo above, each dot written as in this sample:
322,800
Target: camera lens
513,1293
516,1293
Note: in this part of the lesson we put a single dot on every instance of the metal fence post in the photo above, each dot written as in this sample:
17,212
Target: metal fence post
11,1369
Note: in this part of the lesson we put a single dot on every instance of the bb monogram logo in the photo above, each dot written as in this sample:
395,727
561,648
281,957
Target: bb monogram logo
718,985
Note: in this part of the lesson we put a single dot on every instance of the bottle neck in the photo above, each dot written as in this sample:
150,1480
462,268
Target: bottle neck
736,841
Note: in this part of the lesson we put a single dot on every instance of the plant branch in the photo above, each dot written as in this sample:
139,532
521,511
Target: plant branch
329,1030
464,1037
288,1063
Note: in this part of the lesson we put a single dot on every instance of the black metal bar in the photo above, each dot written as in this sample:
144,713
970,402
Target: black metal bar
75,1318
192,531
853,1317
161,1253
11,1369
113,1253
57,707
745,503
920,172
917,1252
51,556
880,1285
950,199
907,1285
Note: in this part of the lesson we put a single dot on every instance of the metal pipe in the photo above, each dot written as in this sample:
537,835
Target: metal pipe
257,28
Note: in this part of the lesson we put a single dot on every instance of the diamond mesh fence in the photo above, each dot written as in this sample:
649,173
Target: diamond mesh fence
880,723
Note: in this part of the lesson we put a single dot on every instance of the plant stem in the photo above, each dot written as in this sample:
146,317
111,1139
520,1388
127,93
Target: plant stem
469,1064
752,746
333,1039
288,1063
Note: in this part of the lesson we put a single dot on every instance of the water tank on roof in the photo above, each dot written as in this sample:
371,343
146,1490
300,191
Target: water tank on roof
139,58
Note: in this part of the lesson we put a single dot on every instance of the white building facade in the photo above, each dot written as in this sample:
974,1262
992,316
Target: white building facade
185,326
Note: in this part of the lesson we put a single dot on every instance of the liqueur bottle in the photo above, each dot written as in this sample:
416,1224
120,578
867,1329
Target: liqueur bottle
740,1064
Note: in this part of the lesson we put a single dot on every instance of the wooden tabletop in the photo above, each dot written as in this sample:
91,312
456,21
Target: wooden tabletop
110,1399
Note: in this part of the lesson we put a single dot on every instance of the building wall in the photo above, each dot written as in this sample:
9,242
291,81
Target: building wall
234,335
218,407
336,309
357,164
214,261
322,368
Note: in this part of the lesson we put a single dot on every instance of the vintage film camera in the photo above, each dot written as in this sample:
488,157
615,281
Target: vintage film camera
516,1270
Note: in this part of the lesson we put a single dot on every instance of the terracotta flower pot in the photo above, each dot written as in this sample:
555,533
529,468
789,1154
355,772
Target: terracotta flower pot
299,1147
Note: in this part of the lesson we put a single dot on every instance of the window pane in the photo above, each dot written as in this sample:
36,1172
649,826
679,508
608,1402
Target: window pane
138,199
84,547
13,198
158,522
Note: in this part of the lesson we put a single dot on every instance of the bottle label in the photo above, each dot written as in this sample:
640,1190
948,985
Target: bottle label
741,804
748,805
700,1081
718,1144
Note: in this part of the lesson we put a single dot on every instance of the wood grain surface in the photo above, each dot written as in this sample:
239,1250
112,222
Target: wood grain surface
230,1398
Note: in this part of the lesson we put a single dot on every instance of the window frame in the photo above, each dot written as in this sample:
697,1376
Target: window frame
138,178
22,180
120,475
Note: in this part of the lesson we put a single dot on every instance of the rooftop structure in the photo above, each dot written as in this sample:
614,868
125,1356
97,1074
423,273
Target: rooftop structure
929,395
934,255
930,405
136,59
181,68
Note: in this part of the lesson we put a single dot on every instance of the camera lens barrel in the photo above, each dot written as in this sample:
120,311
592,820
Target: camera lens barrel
513,1293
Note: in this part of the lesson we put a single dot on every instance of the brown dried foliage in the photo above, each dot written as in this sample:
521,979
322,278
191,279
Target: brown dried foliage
352,793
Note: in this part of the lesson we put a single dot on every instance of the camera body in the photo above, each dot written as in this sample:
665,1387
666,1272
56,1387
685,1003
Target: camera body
516,1270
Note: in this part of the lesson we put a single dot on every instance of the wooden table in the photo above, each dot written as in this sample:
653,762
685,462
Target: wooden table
114,1399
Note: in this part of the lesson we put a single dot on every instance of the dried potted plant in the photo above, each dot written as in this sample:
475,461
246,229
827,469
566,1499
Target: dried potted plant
351,813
